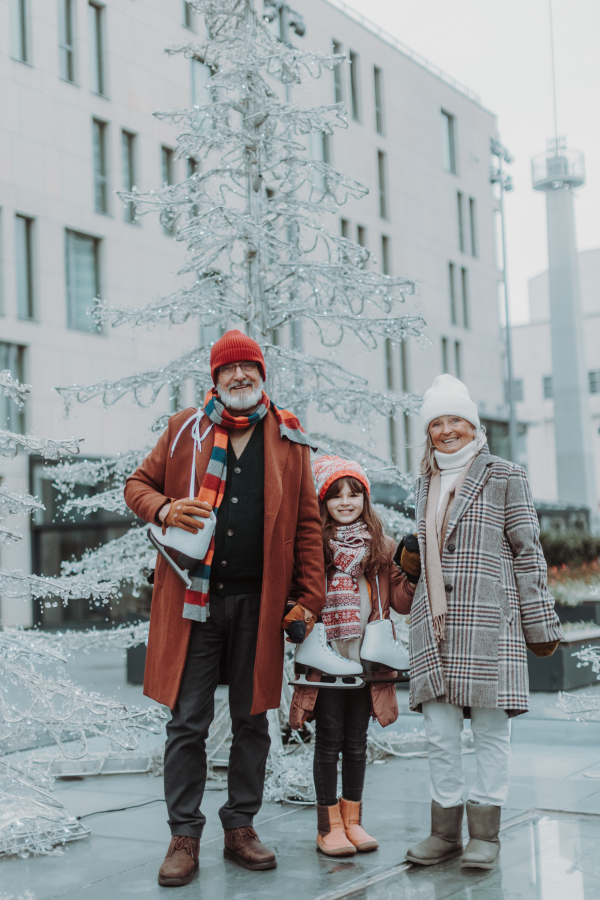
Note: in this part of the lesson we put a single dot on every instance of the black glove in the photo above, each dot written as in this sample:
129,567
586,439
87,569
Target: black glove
296,631
408,558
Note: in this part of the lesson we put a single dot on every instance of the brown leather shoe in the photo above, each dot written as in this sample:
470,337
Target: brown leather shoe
181,861
243,847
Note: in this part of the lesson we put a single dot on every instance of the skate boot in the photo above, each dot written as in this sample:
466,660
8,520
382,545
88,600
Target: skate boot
380,649
316,655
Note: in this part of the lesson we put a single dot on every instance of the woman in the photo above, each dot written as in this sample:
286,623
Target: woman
362,582
481,600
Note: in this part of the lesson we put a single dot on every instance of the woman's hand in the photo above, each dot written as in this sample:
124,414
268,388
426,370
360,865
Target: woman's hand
408,558
182,514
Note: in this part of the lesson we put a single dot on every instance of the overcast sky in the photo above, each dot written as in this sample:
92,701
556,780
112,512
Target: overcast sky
501,50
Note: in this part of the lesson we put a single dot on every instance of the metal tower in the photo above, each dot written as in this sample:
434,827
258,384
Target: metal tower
557,172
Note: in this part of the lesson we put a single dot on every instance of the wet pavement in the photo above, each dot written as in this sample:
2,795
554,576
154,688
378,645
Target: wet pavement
550,837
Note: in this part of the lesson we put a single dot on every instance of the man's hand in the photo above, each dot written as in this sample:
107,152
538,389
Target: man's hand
298,624
182,513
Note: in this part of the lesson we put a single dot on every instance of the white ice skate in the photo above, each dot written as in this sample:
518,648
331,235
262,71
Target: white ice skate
315,655
380,650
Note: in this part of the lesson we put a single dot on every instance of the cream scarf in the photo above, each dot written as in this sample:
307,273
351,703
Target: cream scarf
437,517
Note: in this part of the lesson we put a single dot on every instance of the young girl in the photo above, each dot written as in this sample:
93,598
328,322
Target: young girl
360,576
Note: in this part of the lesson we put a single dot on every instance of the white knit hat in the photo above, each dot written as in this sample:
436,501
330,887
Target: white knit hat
448,396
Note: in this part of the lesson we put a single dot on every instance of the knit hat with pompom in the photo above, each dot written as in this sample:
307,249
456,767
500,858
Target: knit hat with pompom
448,396
327,469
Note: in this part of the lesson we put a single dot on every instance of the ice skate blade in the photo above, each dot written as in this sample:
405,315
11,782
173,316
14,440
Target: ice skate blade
402,676
371,667
330,681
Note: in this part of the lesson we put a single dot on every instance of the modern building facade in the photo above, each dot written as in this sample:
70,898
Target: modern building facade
79,81
534,377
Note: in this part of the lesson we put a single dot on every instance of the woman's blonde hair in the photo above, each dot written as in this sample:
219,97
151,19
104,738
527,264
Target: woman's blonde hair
428,463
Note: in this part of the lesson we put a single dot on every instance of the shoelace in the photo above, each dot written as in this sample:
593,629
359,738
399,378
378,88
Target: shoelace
183,842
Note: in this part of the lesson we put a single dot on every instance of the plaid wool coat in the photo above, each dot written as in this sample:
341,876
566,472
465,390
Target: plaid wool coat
495,579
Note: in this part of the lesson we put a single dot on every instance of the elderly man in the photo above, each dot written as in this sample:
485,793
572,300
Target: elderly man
252,468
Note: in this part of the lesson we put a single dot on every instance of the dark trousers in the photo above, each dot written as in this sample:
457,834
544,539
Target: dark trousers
342,720
231,630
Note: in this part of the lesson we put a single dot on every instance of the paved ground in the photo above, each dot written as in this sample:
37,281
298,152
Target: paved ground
550,854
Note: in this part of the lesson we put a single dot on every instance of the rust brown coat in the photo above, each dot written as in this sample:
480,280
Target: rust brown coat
395,591
292,542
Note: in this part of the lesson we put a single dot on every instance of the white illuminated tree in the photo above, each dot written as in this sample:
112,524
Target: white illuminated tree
253,215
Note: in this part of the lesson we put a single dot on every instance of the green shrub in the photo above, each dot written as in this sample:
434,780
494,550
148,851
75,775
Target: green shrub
569,548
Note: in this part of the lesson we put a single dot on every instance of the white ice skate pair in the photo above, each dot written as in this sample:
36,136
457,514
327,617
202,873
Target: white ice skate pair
379,651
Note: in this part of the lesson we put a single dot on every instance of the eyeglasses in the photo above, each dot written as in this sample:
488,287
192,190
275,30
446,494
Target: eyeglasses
232,368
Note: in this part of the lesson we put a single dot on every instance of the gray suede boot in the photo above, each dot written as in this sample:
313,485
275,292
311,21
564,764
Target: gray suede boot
483,848
445,840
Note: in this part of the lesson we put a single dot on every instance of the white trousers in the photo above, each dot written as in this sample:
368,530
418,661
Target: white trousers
491,731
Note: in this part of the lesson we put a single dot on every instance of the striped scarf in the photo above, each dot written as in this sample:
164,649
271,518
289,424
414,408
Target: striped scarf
351,545
212,489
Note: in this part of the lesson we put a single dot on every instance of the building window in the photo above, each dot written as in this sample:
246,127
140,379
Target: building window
24,265
518,391
382,175
386,266
99,131
547,387
378,88
96,41
473,225
345,228
464,290
167,158
201,95
19,23
458,360
128,158
361,235
337,74
594,382
461,221
354,86
11,416
188,14
66,28
452,289
445,361
449,141
83,280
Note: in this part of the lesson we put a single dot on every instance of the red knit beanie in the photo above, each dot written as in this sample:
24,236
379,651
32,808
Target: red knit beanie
328,469
233,347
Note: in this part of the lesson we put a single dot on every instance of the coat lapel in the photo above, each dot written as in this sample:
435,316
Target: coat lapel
423,492
474,482
276,453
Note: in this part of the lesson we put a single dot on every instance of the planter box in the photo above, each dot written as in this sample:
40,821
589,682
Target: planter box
559,672
136,656
587,611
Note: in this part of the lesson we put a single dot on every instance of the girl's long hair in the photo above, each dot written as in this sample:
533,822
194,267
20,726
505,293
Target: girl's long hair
377,557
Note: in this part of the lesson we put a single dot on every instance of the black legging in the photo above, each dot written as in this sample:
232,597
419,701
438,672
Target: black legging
342,719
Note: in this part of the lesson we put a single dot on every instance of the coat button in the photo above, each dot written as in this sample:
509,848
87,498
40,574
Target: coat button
237,470
223,562
230,532
234,499
220,585
448,588
451,548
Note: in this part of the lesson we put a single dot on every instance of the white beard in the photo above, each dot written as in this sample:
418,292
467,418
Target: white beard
241,401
